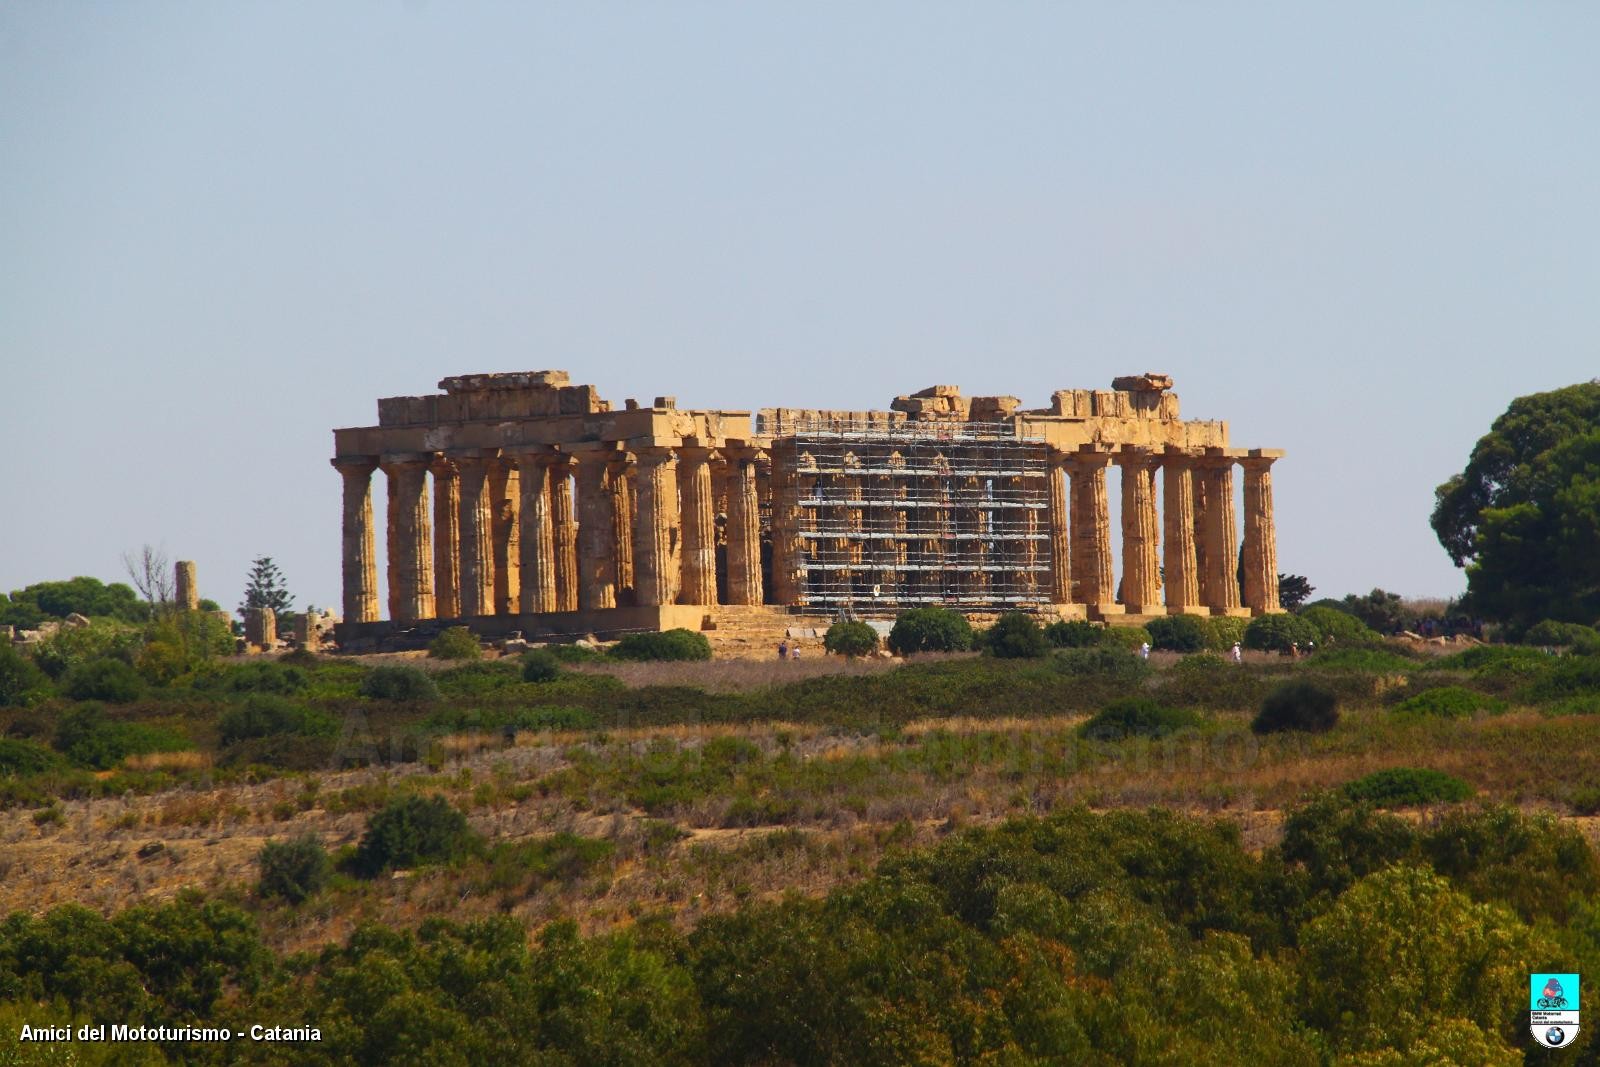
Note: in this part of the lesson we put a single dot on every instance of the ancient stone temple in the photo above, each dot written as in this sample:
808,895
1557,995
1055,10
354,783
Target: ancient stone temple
522,502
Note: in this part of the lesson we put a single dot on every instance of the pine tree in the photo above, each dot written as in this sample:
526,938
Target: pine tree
264,589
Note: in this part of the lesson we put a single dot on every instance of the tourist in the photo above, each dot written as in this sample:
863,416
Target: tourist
1144,650
794,650
783,650
1238,653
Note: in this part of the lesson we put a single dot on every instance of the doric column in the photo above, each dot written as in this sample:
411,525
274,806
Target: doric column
410,537
744,528
1060,532
186,594
1177,488
505,500
656,527
564,533
1141,576
621,477
597,534
1219,585
359,562
446,538
699,527
1092,573
785,525
1202,522
537,566
391,546
476,532
1260,533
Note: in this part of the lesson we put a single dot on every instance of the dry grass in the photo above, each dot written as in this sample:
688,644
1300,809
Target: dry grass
744,675
168,761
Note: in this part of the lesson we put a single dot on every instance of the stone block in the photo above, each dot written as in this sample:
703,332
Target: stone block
1169,406
75,621
1148,382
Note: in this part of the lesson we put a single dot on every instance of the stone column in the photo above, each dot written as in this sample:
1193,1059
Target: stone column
744,529
537,566
477,533
1260,533
1141,541
360,568
505,498
186,594
1219,585
699,527
656,562
1060,532
622,477
597,534
446,538
564,533
1177,487
410,537
785,525
261,628
1092,573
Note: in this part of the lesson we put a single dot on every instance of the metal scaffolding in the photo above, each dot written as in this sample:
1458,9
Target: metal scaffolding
920,513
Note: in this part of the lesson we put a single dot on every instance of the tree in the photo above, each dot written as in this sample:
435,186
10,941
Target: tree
151,574
1294,590
1523,518
264,588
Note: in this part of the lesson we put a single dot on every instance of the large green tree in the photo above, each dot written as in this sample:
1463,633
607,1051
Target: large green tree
1524,517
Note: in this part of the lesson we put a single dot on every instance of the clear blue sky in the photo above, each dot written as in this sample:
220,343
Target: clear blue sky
1354,230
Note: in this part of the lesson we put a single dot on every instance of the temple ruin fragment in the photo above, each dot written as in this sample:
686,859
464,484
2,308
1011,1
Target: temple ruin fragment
521,502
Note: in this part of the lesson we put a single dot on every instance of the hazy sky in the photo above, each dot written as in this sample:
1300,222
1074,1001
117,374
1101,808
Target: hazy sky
1355,231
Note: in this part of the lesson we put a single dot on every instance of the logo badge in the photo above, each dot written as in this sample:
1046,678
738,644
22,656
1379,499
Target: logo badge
1553,1009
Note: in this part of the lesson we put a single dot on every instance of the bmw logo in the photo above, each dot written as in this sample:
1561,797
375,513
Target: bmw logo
1555,1035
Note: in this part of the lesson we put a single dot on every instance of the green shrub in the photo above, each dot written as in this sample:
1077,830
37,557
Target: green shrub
539,665
1224,631
676,644
1400,787
295,869
478,678
410,831
573,653
930,630
1111,664
19,757
850,638
1177,633
110,680
1137,717
1582,704
1298,705
87,737
1128,637
1015,635
1448,702
1207,680
456,642
72,645
18,677
1362,660
1551,632
1072,633
398,683
267,715
261,677
1277,633
1337,626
